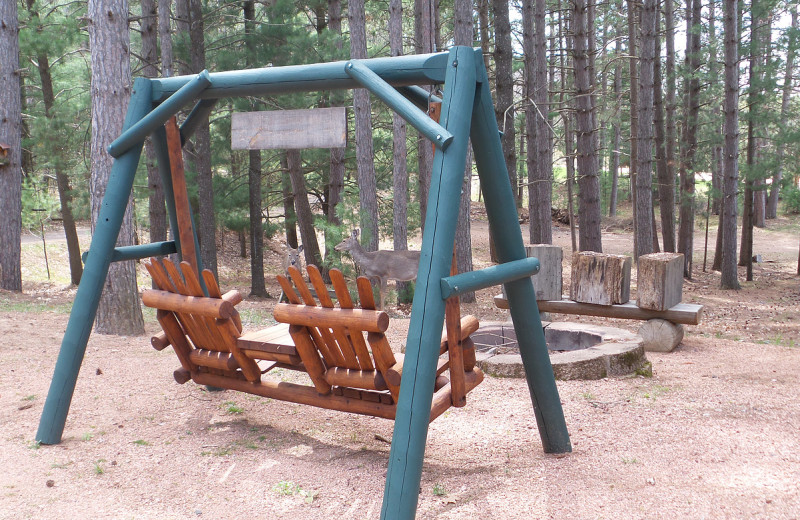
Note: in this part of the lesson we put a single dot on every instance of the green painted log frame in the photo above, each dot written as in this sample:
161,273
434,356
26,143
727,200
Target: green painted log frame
87,298
504,224
467,112
461,283
427,316
405,108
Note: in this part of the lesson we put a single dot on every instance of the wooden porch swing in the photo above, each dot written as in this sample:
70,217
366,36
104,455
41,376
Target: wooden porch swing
343,349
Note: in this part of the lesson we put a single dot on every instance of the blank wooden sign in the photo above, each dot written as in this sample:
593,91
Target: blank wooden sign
289,129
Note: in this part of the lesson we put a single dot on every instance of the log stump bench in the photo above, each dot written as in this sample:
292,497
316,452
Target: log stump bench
661,332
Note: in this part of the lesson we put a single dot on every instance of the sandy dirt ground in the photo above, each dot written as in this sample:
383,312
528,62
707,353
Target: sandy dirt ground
713,434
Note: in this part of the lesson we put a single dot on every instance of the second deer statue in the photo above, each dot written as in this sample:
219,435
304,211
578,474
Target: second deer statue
400,266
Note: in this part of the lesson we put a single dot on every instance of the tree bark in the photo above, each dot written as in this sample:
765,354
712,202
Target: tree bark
688,166
165,36
588,179
730,165
424,43
615,151
11,165
290,216
367,192
666,192
565,41
62,179
786,97
463,239
503,57
337,169
399,153
119,311
716,148
670,105
634,112
202,149
305,218
257,282
156,205
644,142
540,153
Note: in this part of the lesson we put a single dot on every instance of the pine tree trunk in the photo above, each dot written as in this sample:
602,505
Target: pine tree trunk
337,170
289,214
156,206
670,106
463,239
688,166
367,192
588,179
644,141
10,164
424,42
165,36
119,311
634,112
565,42
540,155
730,165
305,218
202,149
62,179
254,172
716,149
791,51
666,190
503,57
615,126
399,153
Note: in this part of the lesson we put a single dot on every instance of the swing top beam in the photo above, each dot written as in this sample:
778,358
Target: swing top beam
398,71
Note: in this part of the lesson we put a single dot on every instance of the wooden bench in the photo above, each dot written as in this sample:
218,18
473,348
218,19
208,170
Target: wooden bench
343,350
661,332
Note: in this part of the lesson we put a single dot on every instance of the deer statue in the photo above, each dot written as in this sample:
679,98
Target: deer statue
400,266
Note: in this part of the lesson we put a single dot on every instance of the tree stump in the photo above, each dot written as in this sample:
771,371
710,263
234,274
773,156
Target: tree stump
660,335
659,281
548,281
600,279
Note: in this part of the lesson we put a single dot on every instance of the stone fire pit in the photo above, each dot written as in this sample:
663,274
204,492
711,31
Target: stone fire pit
577,351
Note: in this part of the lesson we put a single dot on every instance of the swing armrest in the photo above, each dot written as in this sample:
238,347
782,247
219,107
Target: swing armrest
218,308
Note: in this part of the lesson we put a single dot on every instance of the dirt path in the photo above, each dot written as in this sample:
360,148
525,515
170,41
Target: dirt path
713,434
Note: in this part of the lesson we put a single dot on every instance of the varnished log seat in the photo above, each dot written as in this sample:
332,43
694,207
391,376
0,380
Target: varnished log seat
343,348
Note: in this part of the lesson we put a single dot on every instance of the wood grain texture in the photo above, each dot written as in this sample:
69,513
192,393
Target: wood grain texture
685,313
600,279
659,281
289,129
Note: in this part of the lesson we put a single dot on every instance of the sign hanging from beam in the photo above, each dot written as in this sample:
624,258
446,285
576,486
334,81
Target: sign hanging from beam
289,129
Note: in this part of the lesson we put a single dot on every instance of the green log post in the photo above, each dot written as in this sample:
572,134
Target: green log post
405,108
419,96
427,317
87,298
159,115
504,224
461,283
196,117
123,253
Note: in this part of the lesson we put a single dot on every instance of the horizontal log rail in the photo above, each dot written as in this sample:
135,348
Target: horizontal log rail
684,313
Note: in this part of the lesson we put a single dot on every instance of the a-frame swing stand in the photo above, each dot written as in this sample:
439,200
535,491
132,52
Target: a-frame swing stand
467,113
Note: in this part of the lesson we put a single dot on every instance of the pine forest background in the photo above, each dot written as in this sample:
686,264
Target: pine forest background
666,110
